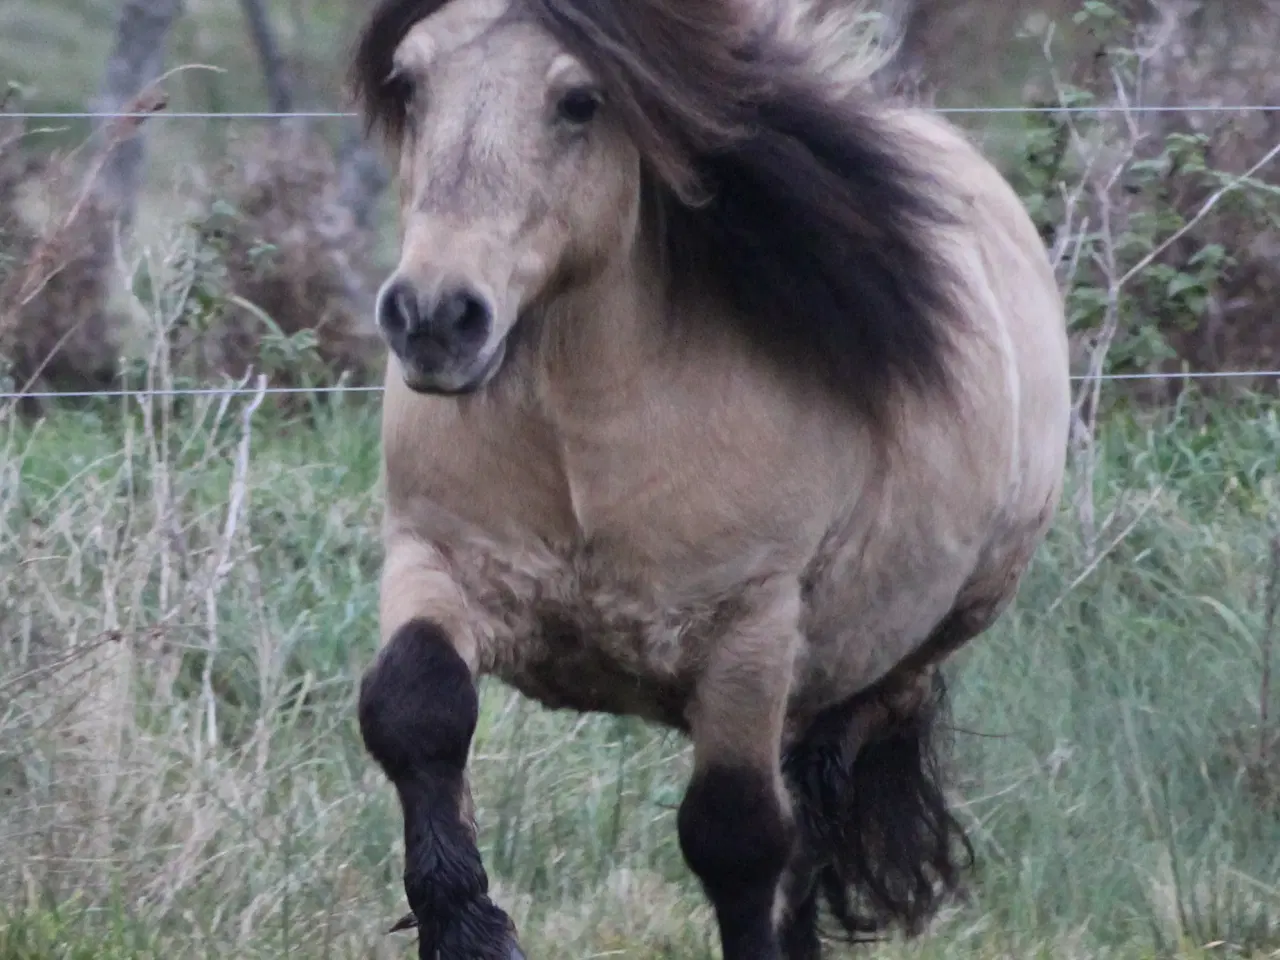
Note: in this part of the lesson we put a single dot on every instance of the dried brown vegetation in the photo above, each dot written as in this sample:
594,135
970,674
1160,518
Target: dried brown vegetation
287,264
55,270
1166,223
1224,54
280,271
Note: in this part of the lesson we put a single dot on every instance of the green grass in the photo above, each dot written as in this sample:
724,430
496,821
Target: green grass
181,774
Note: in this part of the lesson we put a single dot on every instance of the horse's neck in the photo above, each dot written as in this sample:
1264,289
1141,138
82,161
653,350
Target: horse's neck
600,345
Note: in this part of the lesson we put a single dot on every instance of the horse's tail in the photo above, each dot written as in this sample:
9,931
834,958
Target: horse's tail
878,843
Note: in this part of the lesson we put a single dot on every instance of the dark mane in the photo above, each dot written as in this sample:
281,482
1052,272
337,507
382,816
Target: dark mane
381,97
803,208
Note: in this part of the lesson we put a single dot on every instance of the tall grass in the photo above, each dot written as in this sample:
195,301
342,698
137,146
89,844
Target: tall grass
189,597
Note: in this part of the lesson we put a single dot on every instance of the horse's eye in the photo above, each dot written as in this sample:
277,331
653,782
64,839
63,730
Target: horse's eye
579,105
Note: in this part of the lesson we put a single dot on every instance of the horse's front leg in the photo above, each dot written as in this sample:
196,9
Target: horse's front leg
735,824
418,708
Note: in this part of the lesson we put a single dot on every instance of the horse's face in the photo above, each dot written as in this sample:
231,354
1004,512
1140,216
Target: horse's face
515,180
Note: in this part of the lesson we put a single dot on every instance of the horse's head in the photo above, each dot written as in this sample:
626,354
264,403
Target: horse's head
529,130
515,178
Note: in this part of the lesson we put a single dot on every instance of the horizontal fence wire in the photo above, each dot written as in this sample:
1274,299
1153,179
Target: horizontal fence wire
339,114
234,390
238,390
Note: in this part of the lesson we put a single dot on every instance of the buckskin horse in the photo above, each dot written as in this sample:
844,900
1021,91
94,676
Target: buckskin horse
719,393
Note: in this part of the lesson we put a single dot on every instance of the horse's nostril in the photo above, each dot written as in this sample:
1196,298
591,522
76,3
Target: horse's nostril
462,314
398,310
459,316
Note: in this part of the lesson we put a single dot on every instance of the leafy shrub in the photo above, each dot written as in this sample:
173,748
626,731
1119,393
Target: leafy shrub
1164,226
283,277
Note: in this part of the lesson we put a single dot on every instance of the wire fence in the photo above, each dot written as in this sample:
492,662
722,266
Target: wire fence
234,390
344,114
241,390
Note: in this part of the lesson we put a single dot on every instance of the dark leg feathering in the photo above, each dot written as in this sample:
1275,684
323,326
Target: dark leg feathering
737,839
880,844
418,710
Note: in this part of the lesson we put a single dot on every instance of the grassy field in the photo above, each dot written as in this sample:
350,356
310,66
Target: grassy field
189,596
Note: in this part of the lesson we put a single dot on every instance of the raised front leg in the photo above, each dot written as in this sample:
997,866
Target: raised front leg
418,709
735,825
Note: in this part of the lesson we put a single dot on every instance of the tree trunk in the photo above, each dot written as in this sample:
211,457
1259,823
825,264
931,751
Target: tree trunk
136,60
274,71
361,174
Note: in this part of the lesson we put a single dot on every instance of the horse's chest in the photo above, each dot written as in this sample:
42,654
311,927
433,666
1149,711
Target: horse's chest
573,637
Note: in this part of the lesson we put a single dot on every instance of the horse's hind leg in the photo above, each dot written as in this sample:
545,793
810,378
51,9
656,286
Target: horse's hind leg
827,749
735,825
799,932
418,709
882,846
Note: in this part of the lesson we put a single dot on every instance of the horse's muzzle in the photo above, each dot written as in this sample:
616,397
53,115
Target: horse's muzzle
441,338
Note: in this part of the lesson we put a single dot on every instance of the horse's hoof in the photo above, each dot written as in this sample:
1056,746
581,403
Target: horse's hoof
516,952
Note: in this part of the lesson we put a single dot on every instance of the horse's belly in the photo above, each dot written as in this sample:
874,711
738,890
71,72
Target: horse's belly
914,596
867,618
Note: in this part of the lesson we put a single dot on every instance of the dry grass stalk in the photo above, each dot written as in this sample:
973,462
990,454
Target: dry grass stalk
87,657
1269,739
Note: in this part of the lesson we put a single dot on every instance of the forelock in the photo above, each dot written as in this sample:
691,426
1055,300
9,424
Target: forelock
682,73
687,77
379,96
